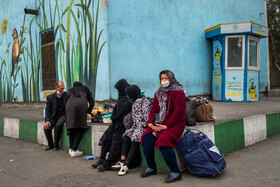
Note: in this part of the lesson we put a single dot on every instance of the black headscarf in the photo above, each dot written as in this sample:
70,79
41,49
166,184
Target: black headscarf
123,106
77,86
121,86
133,92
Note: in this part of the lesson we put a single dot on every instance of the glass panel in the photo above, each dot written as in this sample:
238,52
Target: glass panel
253,53
235,52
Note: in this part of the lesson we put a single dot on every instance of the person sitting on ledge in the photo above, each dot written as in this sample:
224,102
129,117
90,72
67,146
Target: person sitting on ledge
168,108
135,124
55,115
111,140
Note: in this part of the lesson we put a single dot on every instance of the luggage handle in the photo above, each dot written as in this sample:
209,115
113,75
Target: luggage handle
188,130
191,129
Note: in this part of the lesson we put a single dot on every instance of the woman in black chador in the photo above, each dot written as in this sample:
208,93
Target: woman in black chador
112,138
77,109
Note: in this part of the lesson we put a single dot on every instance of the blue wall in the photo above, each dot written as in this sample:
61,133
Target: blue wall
144,37
147,36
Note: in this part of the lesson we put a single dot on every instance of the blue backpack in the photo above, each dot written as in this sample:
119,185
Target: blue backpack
199,154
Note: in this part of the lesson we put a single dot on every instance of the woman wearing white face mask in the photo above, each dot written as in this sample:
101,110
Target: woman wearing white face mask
169,105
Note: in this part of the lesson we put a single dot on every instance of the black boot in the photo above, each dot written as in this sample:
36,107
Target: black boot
97,163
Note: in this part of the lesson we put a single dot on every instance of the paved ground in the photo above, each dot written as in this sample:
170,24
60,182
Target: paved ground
24,163
223,111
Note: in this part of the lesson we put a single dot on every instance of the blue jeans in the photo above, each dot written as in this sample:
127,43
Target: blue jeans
168,154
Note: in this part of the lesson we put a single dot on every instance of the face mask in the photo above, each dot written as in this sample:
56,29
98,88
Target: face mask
164,83
59,93
131,100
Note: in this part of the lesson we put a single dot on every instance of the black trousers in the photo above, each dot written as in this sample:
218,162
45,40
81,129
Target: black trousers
57,125
106,142
113,145
129,149
75,137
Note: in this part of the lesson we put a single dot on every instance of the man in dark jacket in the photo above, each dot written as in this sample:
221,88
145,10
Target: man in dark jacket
55,115
112,137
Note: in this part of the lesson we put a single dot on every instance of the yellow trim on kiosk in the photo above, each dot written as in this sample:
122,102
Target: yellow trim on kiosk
258,24
218,26
213,28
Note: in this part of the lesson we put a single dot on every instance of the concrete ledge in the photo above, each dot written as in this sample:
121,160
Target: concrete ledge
228,136
11,127
272,124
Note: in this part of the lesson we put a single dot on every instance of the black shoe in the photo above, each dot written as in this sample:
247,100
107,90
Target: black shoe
147,174
48,148
56,148
97,163
101,168
170,178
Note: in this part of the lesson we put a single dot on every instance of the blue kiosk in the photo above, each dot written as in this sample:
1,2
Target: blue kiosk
236,56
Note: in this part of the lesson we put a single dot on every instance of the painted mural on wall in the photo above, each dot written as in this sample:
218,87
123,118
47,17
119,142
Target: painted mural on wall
9,62
253,86
217,70
77,51
234,85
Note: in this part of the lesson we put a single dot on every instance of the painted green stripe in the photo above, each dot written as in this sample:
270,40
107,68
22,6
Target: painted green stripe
1,126
64,138
229,136
85,144
161,165
28,130
272,124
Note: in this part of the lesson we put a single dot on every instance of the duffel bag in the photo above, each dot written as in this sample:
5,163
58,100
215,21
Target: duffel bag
199,154
204,112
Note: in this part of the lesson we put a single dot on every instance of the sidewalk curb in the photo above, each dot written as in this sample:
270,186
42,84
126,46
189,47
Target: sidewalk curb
228,136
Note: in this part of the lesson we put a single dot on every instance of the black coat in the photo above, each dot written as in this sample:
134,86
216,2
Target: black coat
51,105
77,107
122,108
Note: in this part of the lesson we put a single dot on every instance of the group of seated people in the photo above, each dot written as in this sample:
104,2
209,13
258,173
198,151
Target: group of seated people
135,120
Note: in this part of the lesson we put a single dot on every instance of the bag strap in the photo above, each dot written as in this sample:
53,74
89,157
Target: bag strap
192,130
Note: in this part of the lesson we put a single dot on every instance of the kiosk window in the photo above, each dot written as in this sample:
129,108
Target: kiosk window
253,53
235,52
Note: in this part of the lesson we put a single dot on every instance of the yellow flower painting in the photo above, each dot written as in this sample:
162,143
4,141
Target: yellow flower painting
4,26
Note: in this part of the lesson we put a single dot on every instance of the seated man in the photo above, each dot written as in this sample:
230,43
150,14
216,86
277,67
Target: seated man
55,115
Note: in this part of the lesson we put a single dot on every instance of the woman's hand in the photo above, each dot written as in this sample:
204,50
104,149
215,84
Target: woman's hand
157,127
161,127
151,125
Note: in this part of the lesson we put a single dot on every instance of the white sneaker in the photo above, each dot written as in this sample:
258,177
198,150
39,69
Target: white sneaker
118,165
70,151
76,153
123,170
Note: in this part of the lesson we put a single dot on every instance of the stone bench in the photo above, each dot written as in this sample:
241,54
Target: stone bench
228,136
